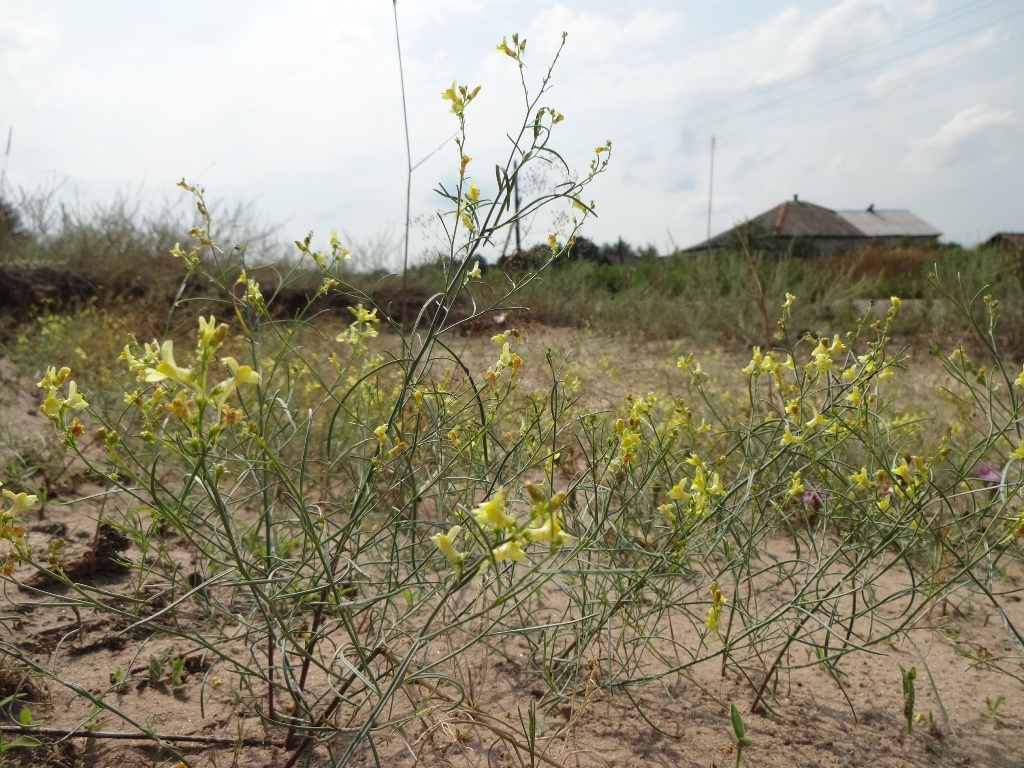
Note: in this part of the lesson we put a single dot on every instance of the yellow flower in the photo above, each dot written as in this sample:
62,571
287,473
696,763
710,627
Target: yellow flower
1018,452
51,407
510,550
715,489
816,421
241,374
861,478
796,486
550,530
210,334
473,195
446,543
167,368
452,95
711,621
381,432
788,438
695,461
474,273
363,315
491,513
629,440
902,469
503,48
754,366
459,96
790,298
74,401
53,377
823,352
20,502
253,295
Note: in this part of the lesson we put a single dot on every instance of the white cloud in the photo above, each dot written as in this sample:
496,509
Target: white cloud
807,45
22,46
900,78
841,165
977,134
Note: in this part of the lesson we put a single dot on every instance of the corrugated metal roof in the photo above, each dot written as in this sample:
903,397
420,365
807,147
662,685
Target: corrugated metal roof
877,223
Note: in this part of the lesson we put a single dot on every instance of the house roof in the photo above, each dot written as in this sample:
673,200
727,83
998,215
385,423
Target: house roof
889,223
1006,238
797,218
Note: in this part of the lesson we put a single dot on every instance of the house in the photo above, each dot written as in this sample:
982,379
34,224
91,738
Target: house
1005,240
797,227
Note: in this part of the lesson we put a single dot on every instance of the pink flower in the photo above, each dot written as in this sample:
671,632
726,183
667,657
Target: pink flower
989,472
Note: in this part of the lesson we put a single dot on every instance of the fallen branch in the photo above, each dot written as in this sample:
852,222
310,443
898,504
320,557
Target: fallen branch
31,730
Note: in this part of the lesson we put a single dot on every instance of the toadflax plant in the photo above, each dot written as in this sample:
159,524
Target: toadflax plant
345,520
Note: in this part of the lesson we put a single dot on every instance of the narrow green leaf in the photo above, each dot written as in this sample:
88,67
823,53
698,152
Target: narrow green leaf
737,723
22,741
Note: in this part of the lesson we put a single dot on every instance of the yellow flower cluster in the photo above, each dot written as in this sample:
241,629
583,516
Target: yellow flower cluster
54,406
718,601
10,531
703,489
508,359
157,365
362,328
761,364
252,294
459,96
493,517
821,357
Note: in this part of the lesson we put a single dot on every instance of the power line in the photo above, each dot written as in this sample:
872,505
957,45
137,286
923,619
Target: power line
842,98
716,122
856,53
725,103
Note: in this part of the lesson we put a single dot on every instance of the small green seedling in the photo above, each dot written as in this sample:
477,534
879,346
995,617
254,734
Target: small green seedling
177,671
25,718
156,669
908,676
740,731
993,705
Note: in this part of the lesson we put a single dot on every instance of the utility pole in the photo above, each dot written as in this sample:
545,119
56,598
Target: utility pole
711,187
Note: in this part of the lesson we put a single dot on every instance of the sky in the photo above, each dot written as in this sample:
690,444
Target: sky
295,109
